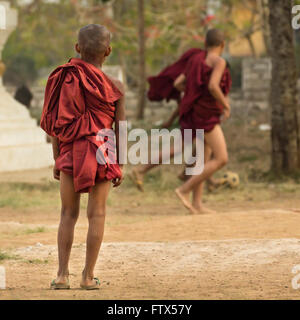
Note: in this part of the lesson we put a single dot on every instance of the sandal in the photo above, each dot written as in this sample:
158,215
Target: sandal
59,286
95,286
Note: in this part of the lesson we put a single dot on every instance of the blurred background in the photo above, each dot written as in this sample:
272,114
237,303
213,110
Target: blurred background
46,33
147,36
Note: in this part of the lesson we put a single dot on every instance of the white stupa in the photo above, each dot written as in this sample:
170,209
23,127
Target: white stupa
22,143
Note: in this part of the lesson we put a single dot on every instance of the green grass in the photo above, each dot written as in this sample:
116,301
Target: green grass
29,195
37,261
248,158
34,230
6,256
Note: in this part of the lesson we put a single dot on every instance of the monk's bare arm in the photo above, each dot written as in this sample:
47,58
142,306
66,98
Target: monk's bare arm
120,116
55,148
179,83
214,82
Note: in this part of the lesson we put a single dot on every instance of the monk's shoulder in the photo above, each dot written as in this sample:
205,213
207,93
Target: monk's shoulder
119,84
219,62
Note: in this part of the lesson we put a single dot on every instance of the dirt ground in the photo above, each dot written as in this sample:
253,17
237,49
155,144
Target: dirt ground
153,249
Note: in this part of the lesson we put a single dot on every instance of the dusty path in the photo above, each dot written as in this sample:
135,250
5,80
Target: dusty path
25,229
232,269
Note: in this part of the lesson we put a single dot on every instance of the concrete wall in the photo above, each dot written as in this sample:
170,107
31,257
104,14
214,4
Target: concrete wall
256,81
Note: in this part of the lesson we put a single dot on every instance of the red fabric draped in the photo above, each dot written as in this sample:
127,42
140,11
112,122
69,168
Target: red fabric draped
79,101
161,86
198,108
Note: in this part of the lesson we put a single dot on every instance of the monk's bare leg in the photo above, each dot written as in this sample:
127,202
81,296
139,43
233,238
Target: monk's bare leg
183,177
96,215
69,215
216,141
198,190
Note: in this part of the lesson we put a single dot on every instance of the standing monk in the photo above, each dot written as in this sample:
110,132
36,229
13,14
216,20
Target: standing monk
80,100
207,83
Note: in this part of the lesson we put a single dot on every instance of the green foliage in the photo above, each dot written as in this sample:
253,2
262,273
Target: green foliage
46,33
6,256
44,37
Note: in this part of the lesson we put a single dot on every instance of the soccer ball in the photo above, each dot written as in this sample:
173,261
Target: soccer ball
231,179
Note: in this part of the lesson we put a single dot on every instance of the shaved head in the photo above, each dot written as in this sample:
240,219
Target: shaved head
93,41
214,38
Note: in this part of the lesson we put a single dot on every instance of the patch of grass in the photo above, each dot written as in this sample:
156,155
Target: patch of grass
22,186
29,195
296,176
287,188
272,176
9,201
37,261
162,179
248,158
35,230
6,256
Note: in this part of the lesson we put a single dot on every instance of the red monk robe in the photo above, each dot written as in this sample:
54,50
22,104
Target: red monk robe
162,85
79,101
198,108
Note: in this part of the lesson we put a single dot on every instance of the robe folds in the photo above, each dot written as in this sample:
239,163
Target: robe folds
79,101
198,108
162,85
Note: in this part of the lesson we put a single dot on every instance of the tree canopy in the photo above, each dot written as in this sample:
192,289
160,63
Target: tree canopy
46,31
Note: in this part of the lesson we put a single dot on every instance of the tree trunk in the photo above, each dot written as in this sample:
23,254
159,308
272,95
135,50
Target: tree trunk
262,6
251,45
283,97
142,71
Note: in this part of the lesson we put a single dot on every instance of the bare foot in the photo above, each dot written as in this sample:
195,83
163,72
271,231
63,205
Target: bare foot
184,197
203,210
